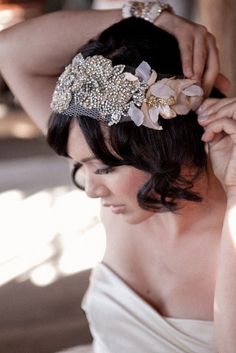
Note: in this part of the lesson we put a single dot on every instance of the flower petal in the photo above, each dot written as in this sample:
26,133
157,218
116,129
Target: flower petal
154,114
193,90
195,102
161,90
143,71
152,78
178,85
166,112
181,109
136,115
130,77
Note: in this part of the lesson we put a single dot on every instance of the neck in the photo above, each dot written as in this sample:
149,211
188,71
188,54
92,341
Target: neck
194,217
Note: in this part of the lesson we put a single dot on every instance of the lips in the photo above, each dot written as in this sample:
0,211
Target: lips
115,208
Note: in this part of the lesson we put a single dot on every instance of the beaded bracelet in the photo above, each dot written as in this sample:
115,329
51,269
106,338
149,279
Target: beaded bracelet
148,10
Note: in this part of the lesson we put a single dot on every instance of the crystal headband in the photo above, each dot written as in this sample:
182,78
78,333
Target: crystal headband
94,88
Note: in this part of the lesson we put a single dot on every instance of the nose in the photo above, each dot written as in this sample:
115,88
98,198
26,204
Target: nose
95,188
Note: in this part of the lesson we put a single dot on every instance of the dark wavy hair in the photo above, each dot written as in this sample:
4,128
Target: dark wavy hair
160,153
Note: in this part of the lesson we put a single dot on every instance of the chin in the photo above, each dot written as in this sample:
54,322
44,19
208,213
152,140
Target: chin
137,217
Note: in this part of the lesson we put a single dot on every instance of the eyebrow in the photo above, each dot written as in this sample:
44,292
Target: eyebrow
88,159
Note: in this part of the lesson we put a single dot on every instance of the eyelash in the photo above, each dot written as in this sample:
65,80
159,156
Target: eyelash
106,170
99,171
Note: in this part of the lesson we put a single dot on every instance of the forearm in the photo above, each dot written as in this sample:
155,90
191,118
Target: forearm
210,14
34,53
46,44
225,293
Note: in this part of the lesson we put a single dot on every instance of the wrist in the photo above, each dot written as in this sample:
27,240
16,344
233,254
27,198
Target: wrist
149,10
164,19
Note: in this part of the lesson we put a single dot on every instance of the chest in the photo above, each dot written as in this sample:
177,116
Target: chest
177,281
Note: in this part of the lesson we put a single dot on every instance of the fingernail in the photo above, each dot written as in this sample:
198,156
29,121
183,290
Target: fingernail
188,72
200,110
202,117
204,113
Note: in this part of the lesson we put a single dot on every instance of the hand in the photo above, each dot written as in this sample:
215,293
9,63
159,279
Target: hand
199,54
218,118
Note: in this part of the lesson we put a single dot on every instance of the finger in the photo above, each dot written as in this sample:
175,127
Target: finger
200,53
186,52
207,103
219,109
211,105
225,126
212,66
227,111
222,83
208,136
212,138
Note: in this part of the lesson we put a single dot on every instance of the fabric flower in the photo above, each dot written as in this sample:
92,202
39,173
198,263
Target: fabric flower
136,115
143,71
170,97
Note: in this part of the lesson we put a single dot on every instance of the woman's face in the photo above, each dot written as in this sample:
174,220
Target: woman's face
116,186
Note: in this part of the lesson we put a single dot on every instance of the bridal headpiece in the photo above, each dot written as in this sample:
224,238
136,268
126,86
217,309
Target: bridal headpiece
95,88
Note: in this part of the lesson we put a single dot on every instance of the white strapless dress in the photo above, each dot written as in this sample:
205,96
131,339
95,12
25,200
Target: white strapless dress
122,322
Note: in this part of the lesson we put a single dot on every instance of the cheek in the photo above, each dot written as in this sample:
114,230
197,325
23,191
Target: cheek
134,182
137,180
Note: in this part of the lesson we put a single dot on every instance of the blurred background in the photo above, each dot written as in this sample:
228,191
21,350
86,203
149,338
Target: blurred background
50,233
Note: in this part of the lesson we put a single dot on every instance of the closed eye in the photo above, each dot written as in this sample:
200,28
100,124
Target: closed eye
106,170
78,176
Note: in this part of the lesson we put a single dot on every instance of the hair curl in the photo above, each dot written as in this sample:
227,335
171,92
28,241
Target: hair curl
160,153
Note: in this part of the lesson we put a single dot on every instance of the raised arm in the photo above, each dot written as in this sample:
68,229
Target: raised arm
218,117
34,53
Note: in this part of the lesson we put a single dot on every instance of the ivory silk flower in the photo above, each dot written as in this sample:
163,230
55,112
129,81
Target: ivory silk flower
167,98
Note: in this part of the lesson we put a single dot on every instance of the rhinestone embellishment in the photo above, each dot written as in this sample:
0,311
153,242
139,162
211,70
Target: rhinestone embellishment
94,84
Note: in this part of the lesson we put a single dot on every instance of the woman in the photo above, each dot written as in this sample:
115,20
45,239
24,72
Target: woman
162,271
165,199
